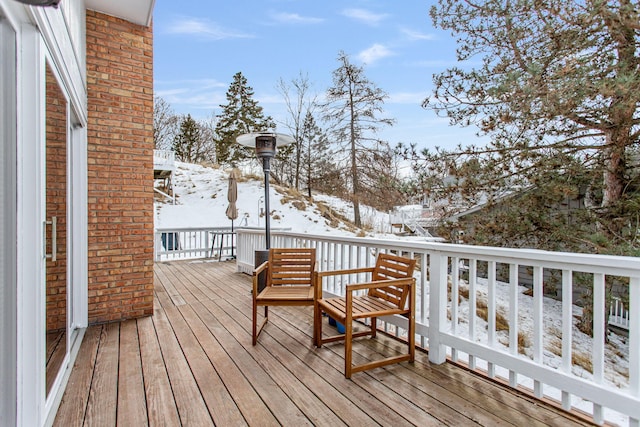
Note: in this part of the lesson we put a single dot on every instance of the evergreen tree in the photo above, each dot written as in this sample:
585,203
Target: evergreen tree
557,91
558,80
240,115
317,168
186,142
354,105
382,186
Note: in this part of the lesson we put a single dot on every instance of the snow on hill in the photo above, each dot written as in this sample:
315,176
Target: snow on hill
202,202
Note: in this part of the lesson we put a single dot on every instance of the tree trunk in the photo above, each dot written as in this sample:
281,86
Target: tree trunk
356,185
615,169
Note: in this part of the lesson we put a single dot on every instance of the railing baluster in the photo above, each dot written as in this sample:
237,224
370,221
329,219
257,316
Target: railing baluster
567,330
538,325
492,312
422,295
455,274
634,342
437,307
513,319
473,279
598,338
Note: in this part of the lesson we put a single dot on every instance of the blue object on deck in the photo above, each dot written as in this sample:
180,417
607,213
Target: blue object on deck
339,326
170,241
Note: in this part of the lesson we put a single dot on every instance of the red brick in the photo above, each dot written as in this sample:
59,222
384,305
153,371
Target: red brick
120,168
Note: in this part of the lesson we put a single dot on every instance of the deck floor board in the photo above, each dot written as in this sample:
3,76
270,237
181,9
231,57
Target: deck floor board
192,363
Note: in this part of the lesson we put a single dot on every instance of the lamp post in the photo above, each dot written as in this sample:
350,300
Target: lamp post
265,144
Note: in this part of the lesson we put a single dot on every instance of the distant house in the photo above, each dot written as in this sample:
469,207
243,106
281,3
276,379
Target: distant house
76,201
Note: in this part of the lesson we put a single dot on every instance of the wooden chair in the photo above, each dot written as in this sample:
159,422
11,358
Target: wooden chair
390,291
289,280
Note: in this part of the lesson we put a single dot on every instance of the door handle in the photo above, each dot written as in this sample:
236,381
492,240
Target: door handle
54,243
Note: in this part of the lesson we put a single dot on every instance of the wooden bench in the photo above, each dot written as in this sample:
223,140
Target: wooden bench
289,280
391,291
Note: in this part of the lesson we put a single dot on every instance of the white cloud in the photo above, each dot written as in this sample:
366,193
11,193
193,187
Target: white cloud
204,28
374,53
294,18
365,16
416,35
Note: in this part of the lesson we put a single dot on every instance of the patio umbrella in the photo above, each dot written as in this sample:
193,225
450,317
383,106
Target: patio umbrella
232,196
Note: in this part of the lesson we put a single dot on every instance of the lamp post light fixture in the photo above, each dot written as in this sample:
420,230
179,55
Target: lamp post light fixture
265,144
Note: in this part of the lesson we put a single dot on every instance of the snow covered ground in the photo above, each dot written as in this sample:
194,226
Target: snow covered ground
202,202
616,352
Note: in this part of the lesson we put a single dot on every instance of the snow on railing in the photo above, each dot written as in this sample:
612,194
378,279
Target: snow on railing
472,309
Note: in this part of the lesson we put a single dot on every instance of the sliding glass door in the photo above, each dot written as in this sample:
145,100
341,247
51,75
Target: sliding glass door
56,228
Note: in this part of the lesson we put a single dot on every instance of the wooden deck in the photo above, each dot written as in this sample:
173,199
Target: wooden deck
192,363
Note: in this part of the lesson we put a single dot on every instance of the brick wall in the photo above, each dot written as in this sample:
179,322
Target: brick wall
120,168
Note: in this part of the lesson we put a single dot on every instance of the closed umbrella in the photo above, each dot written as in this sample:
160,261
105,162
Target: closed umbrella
232,196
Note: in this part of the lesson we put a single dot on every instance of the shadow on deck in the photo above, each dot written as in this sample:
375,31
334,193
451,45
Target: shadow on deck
192,363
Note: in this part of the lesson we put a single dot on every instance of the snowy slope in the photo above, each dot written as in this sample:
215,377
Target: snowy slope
202,202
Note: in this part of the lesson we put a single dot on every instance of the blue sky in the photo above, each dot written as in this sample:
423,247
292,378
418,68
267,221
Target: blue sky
201,44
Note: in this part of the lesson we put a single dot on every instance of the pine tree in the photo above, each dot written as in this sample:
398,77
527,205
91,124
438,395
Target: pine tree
556,78
240,115
354,104
317,168
556,90
185,143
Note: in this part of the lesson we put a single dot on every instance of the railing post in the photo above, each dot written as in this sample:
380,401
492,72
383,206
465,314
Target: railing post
634,342
437,306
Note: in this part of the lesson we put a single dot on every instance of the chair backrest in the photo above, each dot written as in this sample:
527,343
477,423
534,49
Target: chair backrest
291,266
392,267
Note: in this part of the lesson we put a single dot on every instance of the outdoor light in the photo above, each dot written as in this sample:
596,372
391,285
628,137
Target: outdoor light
265,144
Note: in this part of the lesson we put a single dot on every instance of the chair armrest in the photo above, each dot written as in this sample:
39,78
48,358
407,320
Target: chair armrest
259,269
318,275
405,281
322,274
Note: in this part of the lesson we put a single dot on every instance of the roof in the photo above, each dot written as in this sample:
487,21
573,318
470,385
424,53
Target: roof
137,11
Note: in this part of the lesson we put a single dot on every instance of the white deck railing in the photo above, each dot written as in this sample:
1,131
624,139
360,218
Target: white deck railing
185,243
164,160
618,314
453,280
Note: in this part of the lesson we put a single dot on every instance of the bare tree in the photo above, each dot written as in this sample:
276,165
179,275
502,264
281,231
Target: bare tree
300,103
208,137
165,124
353,107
